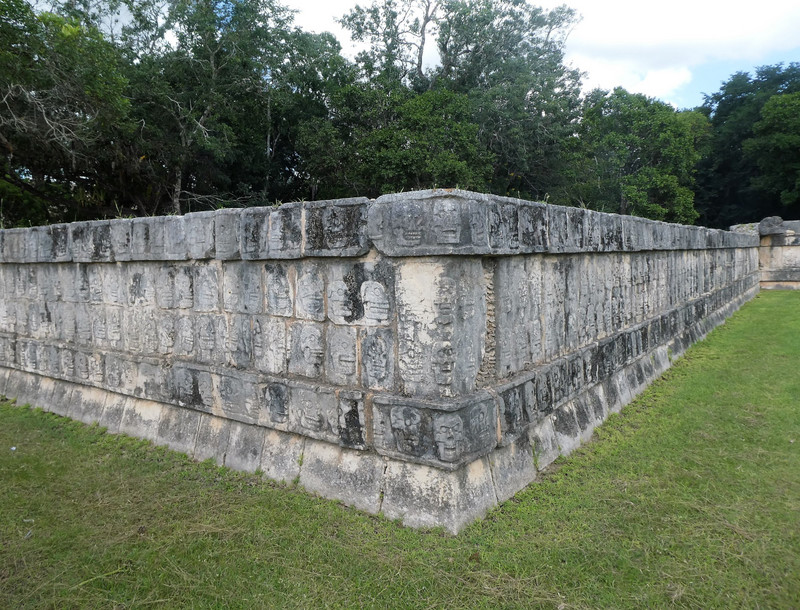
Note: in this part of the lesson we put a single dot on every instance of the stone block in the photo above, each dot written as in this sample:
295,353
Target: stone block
310,411
148,239
341,358
227,223
55,244
113,285
516,403
270,351
518,330
242,290
60,400
83,239
585,416
352,428
307,349
440,340
336,228
8,349
206,284
400,225
91,241
544,443
568,229
15,245
254,233
279,282
140,285
310,299
349,476
281,456
120,231
237,396
377,358
191,388
45,393
4,372
611,229
87,404
361,293
164,281
212,438
285,231
503,225
446,434
513,467
176,247
239,337
24,388
276,404
200,235
141,419
177,429
533,232
567,429
423,497
113,412
245,446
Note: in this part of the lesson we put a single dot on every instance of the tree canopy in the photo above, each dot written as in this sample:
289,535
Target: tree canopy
142,107
731,184
635,155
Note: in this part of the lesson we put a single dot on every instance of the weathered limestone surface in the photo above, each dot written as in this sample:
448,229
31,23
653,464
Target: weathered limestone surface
779,253
423,355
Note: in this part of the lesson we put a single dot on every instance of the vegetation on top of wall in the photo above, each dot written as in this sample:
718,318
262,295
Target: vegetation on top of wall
142,107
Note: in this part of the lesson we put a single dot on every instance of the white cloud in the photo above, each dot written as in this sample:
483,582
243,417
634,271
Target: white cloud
652,48
646,47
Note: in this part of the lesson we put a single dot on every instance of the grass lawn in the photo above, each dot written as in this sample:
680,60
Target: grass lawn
689,498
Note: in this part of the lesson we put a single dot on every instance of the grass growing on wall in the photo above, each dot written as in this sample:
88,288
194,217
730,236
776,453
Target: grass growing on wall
689,498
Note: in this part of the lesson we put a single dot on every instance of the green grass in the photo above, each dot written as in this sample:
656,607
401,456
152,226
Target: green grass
689,498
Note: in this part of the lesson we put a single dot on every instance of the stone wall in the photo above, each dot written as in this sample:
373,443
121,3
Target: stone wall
779,253
422,355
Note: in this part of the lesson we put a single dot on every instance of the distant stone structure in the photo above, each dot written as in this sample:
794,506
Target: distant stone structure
422,355
779,253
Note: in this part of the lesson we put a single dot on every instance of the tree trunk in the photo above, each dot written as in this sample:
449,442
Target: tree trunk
176,191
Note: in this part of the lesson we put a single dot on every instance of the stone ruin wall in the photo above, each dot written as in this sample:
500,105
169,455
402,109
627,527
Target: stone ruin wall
779,253
422,355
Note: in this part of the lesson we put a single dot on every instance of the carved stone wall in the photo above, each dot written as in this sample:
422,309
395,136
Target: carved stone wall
423,355
780,253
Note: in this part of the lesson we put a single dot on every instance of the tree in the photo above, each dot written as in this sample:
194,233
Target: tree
775,149
378,144
634,155
397,32
505,57
728,188
187,95
61,94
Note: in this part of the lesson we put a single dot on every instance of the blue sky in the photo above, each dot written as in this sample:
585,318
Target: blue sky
675,51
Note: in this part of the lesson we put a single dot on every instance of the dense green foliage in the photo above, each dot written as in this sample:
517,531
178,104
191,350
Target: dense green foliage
738,181
687,499
141,107
635,155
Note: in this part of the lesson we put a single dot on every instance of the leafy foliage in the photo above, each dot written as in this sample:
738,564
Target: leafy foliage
775,148
61,98
112,107
729,189
635,155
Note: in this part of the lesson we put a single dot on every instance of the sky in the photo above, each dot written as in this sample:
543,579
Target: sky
675,51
